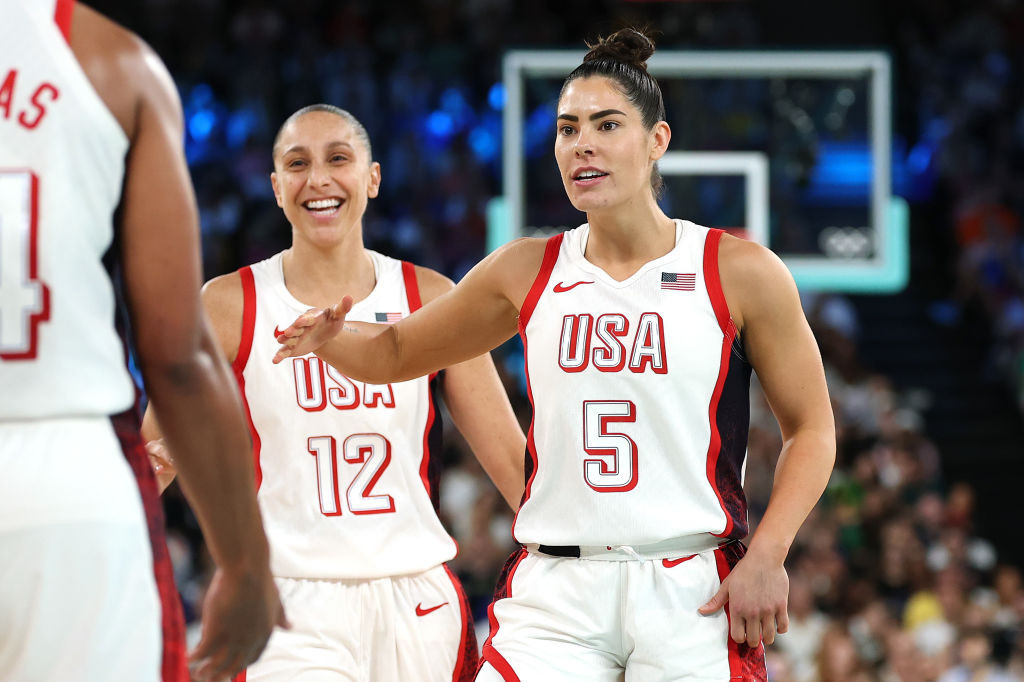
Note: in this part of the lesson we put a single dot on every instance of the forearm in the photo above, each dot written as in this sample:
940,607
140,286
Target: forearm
803,470
203,423
480,409
509,480
365,352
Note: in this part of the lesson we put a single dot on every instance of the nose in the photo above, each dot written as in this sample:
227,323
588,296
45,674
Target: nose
319,175
583,146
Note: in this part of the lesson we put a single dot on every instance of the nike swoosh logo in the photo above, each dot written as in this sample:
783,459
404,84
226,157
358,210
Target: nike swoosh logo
277,331
561,288
420,611
669,563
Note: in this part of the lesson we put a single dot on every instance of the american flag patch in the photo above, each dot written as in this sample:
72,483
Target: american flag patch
387,318
680,281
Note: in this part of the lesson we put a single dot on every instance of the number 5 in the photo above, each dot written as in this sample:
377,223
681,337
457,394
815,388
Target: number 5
611,467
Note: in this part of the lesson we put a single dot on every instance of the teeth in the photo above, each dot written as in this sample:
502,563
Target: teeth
320,204
586,175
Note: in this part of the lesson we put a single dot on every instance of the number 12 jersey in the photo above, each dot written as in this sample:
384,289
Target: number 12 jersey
347,481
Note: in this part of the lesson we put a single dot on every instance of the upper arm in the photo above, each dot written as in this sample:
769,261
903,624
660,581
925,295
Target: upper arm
223,301
474,316
765,305
159,226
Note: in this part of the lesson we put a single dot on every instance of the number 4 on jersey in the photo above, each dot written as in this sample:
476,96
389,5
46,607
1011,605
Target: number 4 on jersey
373,451
24,299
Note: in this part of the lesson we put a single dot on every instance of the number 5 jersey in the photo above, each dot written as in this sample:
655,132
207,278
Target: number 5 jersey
640,397
347,481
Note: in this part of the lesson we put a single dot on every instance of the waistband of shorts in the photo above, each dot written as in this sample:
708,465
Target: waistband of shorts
667,549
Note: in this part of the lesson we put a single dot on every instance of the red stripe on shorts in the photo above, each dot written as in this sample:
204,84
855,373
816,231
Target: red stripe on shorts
468,659
745,662
174,664
502,590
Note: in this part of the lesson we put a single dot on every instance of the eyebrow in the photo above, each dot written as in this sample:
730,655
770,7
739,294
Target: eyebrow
303,148
593,117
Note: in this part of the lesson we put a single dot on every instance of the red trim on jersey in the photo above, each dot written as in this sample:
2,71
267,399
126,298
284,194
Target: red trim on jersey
714,286
412,295
248,319
467,660
240,677
242,358
713,281
62,15
412,287
541,281
488,653
539,284
412,291
531,446
425,460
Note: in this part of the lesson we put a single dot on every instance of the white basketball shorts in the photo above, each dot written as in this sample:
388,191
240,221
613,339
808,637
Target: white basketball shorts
414,627
559,619
78,599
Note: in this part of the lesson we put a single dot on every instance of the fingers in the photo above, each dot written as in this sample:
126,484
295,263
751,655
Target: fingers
717,602
218,661
768,629
753,634
342,308
782,619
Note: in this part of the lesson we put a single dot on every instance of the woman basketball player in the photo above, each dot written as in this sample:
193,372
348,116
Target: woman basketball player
347,480
640,333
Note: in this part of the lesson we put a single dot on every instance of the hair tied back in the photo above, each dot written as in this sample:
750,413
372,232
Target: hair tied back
627,45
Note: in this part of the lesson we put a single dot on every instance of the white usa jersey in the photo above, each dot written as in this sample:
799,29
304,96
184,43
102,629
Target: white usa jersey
640,398
61,168
347,484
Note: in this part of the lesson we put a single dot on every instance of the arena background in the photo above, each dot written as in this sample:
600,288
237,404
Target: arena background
909,567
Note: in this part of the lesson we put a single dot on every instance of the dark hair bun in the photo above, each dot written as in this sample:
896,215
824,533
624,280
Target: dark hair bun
627,45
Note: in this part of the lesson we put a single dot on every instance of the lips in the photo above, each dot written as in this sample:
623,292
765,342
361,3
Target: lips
587,175
323,207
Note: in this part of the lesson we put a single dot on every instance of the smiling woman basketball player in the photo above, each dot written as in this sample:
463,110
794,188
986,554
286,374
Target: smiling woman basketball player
347,470
640,333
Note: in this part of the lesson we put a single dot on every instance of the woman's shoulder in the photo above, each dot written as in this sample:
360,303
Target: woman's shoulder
752,276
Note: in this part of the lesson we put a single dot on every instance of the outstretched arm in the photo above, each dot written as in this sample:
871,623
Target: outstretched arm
781,348
476,316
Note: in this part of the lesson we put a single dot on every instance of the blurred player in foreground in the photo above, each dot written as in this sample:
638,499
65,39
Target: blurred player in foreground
90,127
348,471
640,333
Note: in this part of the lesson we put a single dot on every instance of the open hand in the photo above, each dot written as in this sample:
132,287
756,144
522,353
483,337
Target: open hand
312,329
239,612
756,592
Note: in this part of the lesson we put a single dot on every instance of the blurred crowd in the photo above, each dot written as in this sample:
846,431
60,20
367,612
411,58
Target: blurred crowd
971,103
891,577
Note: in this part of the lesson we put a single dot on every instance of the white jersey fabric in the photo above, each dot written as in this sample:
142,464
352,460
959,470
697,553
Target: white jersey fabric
640,397
347,485
61,169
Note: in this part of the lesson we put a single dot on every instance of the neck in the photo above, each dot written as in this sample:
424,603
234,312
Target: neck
628,235
321,275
